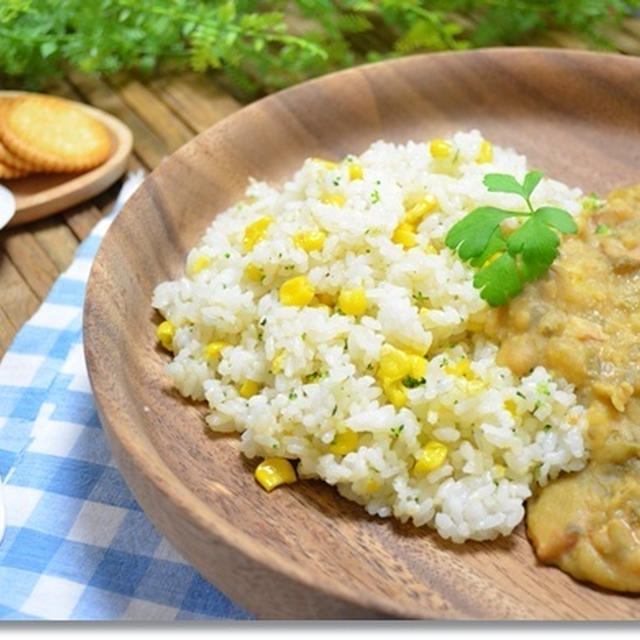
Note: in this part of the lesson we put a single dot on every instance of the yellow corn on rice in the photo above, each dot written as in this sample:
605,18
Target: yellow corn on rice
336,199
431,457
277,364
256,232
214,349
355,172
165,332
296,292
253,272
404,234
199,264
344,442
273,472
310,240
486,152
395,392
461,368
420,209
440,148
352,302
249,388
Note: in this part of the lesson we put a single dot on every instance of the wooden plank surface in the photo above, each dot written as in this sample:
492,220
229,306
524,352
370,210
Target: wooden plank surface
163,113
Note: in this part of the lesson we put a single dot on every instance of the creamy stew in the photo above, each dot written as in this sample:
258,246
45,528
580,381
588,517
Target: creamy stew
582,321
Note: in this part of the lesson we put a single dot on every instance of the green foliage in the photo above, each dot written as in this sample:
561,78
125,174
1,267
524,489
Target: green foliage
506,263
263,46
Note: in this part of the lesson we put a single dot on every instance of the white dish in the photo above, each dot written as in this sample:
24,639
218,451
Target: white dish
7,206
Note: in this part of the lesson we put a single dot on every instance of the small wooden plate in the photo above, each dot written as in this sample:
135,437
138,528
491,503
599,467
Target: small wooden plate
302,551
42,195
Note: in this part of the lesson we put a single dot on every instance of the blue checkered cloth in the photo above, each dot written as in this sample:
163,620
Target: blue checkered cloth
77,545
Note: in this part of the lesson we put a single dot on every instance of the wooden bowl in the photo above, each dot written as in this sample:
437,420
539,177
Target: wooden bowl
303,551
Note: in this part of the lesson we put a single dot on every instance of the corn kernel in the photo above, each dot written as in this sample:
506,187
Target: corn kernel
272,472
253,272
355,172
344,442
461,369
352,302
395,393
200,263
510,405
418,366
249,388
165,332
277,364
213,349
256,232
404,234
310,240
394,363
296,292
422,208
486,152
431,457
336,199
327,164
371,485
440,148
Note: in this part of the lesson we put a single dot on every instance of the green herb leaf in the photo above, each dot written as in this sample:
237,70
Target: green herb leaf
411,382
507,262
531,181
471,235
497,244
396,431
498,281
557,218
537,244
503,183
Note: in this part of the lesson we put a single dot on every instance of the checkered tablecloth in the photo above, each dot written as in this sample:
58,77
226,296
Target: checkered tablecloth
76,544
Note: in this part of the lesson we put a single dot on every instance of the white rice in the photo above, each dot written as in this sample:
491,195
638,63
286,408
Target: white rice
503,434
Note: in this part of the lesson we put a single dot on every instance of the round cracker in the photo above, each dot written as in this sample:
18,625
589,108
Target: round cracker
12,160
54,134
9,173
5,103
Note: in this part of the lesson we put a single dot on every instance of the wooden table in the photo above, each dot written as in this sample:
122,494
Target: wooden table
163,113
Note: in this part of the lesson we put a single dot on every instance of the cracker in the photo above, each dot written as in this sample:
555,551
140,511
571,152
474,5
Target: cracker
8,173
54,135
13,161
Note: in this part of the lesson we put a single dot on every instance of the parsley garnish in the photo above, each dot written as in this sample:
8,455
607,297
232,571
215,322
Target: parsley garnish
506,263
375,196
396,431
419,298
412,382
